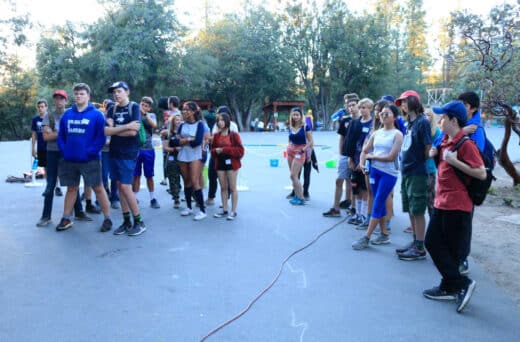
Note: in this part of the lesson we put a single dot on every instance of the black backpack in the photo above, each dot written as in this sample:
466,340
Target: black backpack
477,189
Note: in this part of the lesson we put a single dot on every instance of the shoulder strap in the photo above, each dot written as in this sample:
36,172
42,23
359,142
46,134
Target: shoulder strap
459,143
130,105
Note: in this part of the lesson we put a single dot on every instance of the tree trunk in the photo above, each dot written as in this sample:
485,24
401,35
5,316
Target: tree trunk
503,157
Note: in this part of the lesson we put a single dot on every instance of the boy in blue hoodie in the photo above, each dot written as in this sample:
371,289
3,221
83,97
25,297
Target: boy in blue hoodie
80,139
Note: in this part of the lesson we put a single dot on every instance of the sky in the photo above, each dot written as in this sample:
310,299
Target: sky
191,12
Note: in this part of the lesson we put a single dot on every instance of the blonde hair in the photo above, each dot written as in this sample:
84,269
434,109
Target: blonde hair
302,119
366,101
433,123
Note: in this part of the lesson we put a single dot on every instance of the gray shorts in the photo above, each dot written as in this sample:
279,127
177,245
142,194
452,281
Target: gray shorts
70,173
343,170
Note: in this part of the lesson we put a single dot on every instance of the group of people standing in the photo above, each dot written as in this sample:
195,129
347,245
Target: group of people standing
115,141
375,149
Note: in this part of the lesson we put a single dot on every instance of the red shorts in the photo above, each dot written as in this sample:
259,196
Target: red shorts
295,152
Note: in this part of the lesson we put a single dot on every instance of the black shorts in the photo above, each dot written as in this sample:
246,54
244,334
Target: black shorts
224,163
358,182
42,158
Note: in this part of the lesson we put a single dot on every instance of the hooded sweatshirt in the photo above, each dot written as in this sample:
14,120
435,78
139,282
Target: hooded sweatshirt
81,135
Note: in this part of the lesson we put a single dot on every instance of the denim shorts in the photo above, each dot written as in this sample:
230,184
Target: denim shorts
344,172
70,173
122,170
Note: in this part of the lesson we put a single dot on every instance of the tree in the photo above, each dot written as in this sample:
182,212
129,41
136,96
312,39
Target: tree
490,49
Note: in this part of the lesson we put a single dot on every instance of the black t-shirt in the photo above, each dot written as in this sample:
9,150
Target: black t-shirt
417,137
342,130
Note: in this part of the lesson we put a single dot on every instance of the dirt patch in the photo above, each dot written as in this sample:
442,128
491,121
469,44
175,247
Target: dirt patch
496,234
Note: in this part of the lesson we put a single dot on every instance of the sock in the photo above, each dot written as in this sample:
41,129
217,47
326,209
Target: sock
107,217
364,208
358,207
152,196
199,196
419,244
126,217
137,218
187,196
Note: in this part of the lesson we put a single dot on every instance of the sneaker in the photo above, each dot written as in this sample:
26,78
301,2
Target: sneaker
58,192
306,197
350,212
436,293
405,248
464,267
210,201
123,228
465,294
114,205
177,204
232,216
200,216
381,239
291,195
359,220
64,224
413,253
186,212
164,182
363,225
81,216
154,204
362,243
332,213
297,201
408,230
353,219
92,209
106,226
344,204
220,213
44,222
137,229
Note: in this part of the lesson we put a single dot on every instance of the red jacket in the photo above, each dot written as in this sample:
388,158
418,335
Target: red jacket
232,148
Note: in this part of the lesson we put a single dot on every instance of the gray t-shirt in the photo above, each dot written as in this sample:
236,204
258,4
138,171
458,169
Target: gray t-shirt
53,121
149,132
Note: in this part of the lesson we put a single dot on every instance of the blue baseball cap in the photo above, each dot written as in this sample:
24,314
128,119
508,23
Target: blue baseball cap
455,108
118,84
389,98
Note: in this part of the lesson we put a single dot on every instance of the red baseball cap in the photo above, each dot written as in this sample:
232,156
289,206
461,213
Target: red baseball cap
405,95
60,92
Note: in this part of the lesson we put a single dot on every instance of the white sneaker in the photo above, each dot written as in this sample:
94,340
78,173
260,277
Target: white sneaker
231,216
200,216
186,212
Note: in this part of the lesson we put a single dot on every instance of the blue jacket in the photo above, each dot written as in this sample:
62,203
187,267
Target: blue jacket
81,135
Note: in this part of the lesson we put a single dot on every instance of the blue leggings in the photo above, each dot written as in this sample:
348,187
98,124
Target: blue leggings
382,185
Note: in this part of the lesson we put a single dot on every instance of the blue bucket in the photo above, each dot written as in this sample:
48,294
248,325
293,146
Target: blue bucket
273,162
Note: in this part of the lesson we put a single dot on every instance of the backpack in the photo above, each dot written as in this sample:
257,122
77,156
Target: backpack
477,189
141,134
489,151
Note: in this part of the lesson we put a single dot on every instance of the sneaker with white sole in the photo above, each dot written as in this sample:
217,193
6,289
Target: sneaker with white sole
44,221
221,213
464,295
360,244
186,212
200,216
232,215
381,239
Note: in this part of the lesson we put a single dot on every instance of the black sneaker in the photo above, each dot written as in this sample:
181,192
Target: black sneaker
58,192
64,225
405,248
344,204
106,226
81,216
436,293
413,253
464,267
154,204
332,213
123,228
465,294
92,209
137,229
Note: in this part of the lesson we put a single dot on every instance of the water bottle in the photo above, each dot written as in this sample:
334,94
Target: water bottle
367,165
35,164
338,114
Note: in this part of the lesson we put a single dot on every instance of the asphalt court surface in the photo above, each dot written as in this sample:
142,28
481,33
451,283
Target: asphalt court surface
182,278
